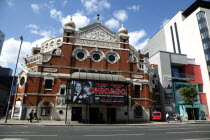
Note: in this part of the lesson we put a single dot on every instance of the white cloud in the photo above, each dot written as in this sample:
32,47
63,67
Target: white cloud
64,2
32,26
164,22
121,15
134,7
79,18
10,3
95,5
48,33
135,38
112,24
56,14
35,8
10,50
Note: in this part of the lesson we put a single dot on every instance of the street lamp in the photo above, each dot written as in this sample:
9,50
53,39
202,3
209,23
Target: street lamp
13,79
68,97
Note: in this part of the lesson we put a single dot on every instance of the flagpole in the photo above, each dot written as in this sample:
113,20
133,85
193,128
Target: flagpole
13,79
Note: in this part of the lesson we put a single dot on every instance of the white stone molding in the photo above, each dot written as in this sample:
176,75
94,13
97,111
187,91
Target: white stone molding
114,53
96,43
97,32
134,56
99,52
51,44
22,76
141,65
50,70
58,51
82,50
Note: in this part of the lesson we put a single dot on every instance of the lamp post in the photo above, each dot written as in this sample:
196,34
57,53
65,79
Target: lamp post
68,97
13,79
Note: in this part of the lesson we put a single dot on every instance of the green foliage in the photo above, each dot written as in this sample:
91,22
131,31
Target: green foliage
189,95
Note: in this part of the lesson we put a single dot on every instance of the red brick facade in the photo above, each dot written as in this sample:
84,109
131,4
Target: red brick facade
60,66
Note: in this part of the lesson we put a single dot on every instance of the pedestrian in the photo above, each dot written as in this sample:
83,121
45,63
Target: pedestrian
186,117
180,118
31,115
167,117
35,115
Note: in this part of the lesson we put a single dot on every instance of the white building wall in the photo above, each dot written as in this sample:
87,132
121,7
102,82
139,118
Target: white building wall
190,42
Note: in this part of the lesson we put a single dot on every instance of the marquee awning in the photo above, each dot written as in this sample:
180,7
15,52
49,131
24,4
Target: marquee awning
98,76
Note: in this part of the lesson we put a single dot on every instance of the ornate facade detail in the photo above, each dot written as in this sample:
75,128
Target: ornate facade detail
58,51
50,69
51,44
47,57
134,57
112,56
60,101
97,34
96,43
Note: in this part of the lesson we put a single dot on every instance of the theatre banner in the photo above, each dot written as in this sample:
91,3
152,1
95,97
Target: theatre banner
97,92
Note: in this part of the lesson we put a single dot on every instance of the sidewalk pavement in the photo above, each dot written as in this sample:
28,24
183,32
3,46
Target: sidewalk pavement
74,123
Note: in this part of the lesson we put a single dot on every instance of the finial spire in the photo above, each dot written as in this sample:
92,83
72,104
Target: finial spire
98,17
71,18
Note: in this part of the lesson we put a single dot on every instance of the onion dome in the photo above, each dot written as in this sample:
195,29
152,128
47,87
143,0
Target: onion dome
122,30
70,24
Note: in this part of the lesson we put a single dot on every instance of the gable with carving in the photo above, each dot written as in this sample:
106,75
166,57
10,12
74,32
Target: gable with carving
97,34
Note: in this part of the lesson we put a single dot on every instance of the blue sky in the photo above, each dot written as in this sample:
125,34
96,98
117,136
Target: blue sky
40,20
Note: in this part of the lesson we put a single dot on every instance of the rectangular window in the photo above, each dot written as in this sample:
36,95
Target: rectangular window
200,15
202,24
62,91
200,88
205,34
45,111
177,37
138,113
48,84
172,35
208,68
137,91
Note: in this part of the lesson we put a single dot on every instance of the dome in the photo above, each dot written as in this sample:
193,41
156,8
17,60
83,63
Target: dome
70,24
122,30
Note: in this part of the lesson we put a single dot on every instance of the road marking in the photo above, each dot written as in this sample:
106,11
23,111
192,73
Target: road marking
14,139
169,128
105,130
28,135
198,139
113,135
190,132
18,132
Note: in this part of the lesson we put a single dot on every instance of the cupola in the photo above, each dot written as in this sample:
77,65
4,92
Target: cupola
122,31
70,24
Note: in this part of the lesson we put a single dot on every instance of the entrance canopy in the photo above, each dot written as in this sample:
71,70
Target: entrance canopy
98,76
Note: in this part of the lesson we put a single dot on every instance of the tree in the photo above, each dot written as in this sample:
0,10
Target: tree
189,96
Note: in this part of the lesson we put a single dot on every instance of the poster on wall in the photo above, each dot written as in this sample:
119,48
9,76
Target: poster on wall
96,92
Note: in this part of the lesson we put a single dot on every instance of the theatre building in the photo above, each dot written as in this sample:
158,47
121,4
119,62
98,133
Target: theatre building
87,75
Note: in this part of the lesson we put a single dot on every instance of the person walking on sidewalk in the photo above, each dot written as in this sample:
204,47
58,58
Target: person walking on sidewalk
167,117
31,115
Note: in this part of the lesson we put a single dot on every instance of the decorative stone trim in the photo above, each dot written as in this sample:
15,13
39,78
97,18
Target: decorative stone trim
80,50
50,69
141,66
97,55
112,55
